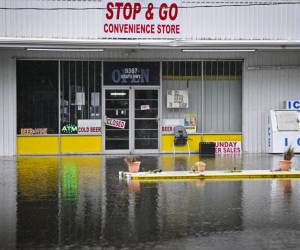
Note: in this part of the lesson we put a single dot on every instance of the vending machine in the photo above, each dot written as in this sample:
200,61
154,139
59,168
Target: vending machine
283,131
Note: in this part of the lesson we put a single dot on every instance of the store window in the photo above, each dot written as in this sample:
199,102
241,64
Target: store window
37,97
80,97
211,92
222,97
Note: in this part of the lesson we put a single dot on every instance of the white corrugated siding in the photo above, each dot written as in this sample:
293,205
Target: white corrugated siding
248,22
264,90
8,204
50,23
251,22
7,105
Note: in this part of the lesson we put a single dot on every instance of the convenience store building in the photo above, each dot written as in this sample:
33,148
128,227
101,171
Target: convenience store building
113,77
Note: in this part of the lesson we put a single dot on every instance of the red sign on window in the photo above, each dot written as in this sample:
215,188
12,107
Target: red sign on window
115,123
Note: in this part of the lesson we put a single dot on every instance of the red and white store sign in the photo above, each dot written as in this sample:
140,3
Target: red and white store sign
89,127
228,147
142,19
115,123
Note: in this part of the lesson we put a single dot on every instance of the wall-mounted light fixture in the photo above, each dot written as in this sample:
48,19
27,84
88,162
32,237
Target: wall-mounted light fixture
118,94
218,50
66,49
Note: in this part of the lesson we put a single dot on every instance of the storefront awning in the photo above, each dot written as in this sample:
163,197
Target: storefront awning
7,42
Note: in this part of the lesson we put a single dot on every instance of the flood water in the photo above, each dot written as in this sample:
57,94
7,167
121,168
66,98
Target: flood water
80,203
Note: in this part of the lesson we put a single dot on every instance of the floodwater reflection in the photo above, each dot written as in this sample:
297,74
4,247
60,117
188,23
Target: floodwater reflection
79,202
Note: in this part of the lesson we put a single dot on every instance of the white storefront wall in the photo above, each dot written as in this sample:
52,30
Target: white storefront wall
271,79
7,104
200,22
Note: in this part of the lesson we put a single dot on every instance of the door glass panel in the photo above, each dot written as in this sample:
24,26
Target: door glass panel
146,143
116,133
141,133
116,144
146,119
146,94
146,108
146,124
146,114
117,116
146,104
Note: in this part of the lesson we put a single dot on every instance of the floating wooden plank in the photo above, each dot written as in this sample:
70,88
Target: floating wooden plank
244,174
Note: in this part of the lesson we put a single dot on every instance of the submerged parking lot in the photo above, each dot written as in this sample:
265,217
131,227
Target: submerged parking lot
76,202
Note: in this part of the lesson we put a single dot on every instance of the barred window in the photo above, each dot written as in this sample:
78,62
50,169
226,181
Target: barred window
37,97
214,89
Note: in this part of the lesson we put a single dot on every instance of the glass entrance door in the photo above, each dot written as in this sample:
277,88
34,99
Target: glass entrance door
146,119
131,120
117,122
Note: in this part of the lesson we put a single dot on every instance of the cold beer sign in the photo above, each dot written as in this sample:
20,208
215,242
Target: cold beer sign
141,19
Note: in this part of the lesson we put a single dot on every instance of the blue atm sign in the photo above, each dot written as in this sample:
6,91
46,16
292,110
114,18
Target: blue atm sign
295,105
